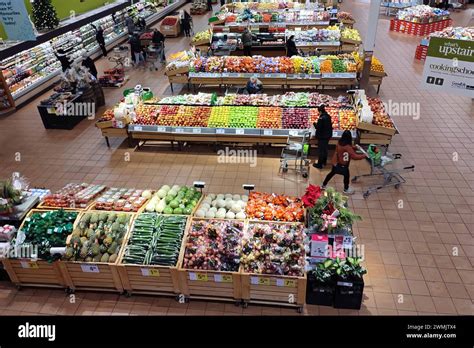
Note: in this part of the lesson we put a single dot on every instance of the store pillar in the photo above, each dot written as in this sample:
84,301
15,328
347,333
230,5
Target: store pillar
369,41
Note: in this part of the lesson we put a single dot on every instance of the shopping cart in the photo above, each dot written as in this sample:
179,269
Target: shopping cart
153,57
120,57
383,166
296,151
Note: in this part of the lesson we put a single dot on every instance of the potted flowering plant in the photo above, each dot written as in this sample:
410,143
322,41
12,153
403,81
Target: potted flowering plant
310,199
349,283
321,284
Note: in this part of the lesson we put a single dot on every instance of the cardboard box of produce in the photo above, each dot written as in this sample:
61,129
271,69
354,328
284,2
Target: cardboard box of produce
104,124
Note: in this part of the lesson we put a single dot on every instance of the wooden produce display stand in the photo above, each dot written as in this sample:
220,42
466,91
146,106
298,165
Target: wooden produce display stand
376,79
95,276
206,284
180,75
370,133
348,23
108,131
24,272
150,279
171,30
273,289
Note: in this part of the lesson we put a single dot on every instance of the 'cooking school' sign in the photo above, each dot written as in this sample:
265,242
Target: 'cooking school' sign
449,66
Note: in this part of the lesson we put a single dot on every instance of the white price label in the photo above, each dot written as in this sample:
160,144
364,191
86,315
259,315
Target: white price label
267,132
179,130
161,129
90,268
138,128
293,133
240,131
29,264
223,278
197,130
220,131
192,276
150,272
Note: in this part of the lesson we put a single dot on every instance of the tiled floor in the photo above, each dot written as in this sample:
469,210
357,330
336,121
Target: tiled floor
418,240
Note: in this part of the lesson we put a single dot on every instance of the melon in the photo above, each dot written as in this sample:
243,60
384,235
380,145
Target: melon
200,213
236,197
230,215
240,215
210,214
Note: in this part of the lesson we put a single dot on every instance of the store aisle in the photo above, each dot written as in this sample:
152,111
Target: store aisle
410,236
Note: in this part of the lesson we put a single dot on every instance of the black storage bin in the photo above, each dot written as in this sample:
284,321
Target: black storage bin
349,293
321,294
53,121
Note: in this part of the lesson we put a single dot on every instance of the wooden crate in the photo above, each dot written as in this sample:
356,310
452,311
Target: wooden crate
274,290
178,79
149,279
350,41
96,276
378,73
208,285
104,124
203,42
115,132
39,273
179,71
375,129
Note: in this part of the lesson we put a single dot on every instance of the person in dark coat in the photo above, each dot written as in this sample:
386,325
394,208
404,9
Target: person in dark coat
254,86
186,24
99,36
89,64
209,5
323,134
291,49
63,59
158,41
247,40
137,51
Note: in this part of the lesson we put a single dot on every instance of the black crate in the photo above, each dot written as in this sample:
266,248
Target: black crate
349,293
321,294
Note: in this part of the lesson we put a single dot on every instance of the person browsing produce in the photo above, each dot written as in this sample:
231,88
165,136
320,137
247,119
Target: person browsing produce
254,85
323,134
291,49
247,38
342,158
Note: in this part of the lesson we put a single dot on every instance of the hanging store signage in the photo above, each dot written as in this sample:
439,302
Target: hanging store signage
15,21
449,66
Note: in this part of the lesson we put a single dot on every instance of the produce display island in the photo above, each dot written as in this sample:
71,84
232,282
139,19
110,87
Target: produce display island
257,119
141,241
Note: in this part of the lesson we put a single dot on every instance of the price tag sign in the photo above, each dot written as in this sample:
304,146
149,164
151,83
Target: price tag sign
138,128
198,276
293,133
240,131
161,129
222,278
179,130
220,131
268,75
290,283
197,130
147,272
29,264
225,74
90,268
267,132
260,281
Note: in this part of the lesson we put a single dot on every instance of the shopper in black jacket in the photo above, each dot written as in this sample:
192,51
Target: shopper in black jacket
63,59
186,24
89,64
291,49
99,36
323,134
